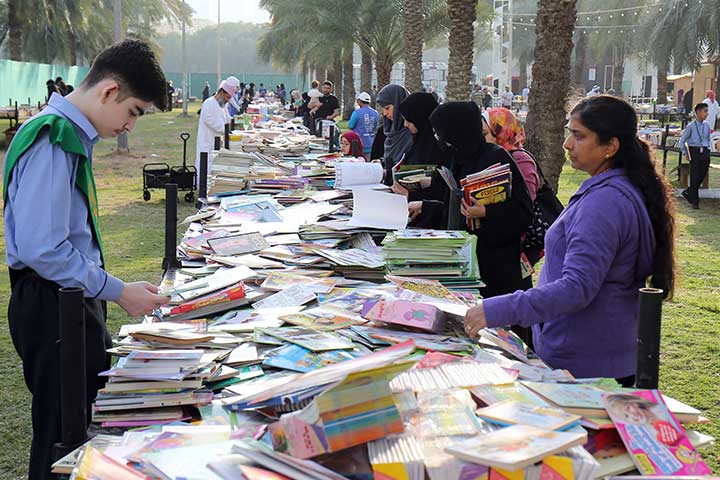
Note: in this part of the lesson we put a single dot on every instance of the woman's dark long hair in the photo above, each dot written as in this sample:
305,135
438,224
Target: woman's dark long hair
610,117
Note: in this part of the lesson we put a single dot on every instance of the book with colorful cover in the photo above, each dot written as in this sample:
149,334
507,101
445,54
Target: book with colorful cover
407,314
507,341
324,318
656,441
308,338
490,186
492,394
299,359
515,447
513,413
238,244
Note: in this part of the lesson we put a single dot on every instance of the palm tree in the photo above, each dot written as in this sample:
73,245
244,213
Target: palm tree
413,27
460,43
14,30
551,78
578,69
523,38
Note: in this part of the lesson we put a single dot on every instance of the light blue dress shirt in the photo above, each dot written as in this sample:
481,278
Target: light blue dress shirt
47,221
696,134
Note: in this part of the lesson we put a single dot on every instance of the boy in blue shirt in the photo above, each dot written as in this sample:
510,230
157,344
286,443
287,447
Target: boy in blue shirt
364,122
695,142
52,228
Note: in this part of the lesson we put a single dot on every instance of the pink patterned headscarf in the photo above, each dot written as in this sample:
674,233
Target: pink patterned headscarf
506,128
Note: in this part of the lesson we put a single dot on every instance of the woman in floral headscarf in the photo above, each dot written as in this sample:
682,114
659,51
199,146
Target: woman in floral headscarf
502,127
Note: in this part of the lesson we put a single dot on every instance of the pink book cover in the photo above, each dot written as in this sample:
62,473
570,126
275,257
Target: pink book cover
654,438
410,314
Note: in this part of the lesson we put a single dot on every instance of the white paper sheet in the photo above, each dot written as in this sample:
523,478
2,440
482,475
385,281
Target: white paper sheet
379,210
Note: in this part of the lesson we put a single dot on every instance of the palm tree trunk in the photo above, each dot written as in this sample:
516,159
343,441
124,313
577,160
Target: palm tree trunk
578,74
462,14
365,70
383,69
619,69
348,82
414,26
14,32
338,69
545,123
523,63
662,83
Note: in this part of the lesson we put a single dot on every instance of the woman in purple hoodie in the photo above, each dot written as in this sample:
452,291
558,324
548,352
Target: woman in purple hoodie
615,236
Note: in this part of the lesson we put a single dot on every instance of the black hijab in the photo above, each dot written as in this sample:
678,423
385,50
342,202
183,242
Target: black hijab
458,126
416,109
398,139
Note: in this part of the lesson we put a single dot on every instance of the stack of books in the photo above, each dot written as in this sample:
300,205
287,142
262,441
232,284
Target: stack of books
150,386
444,255
489,186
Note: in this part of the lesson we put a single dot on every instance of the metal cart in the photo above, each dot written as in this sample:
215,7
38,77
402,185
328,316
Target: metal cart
157,175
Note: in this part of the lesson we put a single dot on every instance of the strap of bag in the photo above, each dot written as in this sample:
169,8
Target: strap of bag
537,167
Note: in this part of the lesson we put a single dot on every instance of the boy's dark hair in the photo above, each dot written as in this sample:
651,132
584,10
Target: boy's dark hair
132,64
328,82
700,106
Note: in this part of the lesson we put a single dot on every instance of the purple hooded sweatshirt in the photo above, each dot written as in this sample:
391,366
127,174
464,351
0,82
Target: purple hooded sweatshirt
584,309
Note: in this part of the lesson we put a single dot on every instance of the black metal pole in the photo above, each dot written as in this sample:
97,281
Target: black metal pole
202,179
227,137
73,378
648,338
170,261
218,143
331,139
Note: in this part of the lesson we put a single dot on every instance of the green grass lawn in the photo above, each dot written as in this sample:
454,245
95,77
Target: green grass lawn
133,236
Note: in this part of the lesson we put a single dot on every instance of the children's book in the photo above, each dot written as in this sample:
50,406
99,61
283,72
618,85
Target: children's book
238,244
505,340
493,394
313,340
656,441
490,186
514,413
324,318
515,447
407,314
293,296
299,359
278,281
396,457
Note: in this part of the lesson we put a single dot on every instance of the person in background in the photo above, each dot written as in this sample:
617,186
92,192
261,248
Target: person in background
351,145
206,91
296,102
416,110
314,95
329,103
170,91
241,97
615,236
506,99
262,91
487,98
502,127
526,95
476,95
695,143
52,235
458,129
213,117
61,87
364,122
398,139
251,91
595,90
713,109
282,93
51,88
373,96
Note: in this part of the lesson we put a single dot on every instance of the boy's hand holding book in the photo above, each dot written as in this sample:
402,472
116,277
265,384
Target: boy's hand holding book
140,298
476,210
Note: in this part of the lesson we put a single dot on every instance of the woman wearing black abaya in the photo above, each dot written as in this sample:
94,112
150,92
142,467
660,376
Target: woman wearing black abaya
398,139
416,110
458,128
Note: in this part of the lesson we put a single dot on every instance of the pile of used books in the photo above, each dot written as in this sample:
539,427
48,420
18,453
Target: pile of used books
444,255
296,345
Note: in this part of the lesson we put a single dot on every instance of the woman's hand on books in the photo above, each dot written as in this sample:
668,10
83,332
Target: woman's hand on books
399,189
476,210
414,209
140,298
475,321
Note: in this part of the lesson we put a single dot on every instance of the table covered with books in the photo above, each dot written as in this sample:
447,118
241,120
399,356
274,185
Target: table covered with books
311,335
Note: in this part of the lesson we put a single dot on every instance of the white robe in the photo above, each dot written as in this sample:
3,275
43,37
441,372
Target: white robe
212,124
713,112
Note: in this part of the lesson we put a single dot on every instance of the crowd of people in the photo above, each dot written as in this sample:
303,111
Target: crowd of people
614,236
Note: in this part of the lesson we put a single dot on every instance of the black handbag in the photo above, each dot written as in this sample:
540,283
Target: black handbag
546,209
